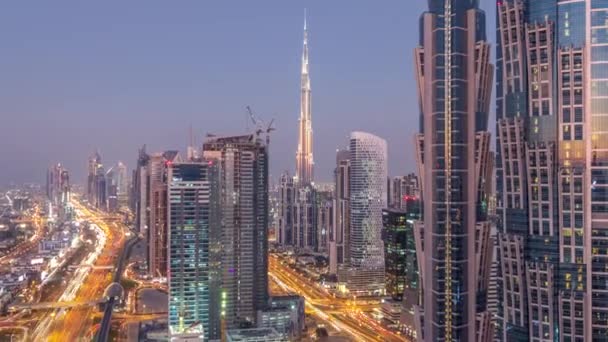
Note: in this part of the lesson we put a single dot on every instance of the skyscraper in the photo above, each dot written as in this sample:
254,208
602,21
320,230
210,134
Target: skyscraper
243,180
157,171
140,193
304,158
287,199
368,174
111,190
552,157
122,183
94,162
194,234
340,236
454,82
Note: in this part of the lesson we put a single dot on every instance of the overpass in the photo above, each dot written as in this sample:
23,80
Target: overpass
104,329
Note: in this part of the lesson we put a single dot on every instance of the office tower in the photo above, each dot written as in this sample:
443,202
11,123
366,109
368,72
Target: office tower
340,236
140,194
454,83
305,219
100,194
324,215
54,183
287,198
65,187
306,216
94,161
551,156
243,163
157,171
111,190
367,185
194,234
401,268
304,158
122,184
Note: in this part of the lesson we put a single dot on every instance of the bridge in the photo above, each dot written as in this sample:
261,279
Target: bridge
104,329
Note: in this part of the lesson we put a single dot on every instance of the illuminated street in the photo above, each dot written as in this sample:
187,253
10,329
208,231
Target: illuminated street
87,285
342,314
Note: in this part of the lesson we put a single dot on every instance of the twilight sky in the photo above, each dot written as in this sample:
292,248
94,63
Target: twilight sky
113,75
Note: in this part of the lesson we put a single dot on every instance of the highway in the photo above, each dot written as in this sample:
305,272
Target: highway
342,314
104,329
88,284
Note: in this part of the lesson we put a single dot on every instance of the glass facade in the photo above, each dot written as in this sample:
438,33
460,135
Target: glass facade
554,233
453,145
368,189
401,269
193,231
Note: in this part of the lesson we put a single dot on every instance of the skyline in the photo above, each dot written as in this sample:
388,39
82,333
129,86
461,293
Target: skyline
100,83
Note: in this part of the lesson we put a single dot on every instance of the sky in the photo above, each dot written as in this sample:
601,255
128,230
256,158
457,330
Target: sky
76,76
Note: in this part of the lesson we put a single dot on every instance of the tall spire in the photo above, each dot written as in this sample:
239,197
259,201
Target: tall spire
304,157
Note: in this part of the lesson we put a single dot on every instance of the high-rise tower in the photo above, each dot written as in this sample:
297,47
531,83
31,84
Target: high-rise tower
367,185
194,233
243,180
304,159
454,83
552,170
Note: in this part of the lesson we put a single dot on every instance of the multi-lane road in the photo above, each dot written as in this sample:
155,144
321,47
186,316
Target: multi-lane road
78,323
343,315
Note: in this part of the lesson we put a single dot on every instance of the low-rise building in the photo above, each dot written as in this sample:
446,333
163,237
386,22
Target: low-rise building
255,335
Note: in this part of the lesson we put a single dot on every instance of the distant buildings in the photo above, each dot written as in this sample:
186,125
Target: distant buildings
194,231
402,189
58,188
96,183
453,247
122,184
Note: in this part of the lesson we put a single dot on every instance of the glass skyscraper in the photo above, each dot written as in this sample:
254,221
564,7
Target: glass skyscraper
368,188
454,82
552,170
194,230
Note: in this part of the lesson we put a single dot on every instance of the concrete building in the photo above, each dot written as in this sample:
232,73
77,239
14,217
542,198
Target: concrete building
158,181
243,163
453,247
339,255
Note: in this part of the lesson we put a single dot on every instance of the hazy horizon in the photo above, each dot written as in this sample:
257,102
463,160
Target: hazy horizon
113,76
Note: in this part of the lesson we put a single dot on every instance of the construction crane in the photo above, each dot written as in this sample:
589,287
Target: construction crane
259,125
